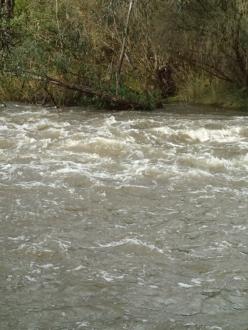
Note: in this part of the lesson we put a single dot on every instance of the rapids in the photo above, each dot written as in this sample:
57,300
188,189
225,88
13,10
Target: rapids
123,220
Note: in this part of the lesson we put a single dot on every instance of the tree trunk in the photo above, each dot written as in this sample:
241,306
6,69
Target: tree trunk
123,47
7,8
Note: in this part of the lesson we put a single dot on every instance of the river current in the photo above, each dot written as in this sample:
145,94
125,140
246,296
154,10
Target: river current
123,220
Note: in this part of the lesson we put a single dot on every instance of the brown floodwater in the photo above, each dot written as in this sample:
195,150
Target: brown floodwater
123,220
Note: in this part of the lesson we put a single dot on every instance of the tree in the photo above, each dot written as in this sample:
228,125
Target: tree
208,35
7,8
6,35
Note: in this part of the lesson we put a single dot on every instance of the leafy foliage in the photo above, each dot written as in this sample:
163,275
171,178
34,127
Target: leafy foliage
79,42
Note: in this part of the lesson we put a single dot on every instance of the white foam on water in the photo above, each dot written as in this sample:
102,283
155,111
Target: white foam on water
18,238
185,285
220,246
222,135
30,279
110,277
35,184
46,266
197,281
202,134
131,241
239,227
104,147
76,269
3,127
110,121
82,324
64,245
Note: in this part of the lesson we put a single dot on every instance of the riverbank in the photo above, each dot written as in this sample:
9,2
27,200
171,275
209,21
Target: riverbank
195,92
208,92
58,92
123,57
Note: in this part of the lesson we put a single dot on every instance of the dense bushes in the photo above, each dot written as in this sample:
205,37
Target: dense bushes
79,42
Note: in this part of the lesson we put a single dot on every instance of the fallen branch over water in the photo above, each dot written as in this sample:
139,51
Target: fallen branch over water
109,101
112,102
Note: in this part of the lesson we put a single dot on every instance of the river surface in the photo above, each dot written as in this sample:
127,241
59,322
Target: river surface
123,220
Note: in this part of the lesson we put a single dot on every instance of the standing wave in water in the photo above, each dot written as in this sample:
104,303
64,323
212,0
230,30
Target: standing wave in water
123,220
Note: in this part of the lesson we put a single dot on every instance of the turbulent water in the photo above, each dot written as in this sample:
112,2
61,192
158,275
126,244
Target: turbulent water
124,220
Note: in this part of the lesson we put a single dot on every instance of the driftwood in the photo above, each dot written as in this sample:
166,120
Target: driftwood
109,101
